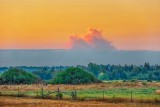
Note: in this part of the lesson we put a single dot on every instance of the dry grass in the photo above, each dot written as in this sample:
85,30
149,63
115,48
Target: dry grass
108,85
24,102
158,92
86,92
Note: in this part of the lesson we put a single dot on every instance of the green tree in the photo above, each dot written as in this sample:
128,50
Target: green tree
102,76
74,76
18,76
94,68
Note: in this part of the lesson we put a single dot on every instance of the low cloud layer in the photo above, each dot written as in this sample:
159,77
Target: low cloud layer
93,40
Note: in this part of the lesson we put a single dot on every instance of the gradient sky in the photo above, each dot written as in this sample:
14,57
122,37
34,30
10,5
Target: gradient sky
48,24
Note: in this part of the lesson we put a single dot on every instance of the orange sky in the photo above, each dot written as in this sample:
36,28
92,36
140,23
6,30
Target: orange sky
48,24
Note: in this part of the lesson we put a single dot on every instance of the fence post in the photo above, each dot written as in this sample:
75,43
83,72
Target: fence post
114,93
58,96
18,92
131,96
36,94
103,95
75,95
42,94
114,96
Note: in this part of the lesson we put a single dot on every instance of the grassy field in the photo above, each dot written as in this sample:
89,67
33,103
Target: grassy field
111,92
28,102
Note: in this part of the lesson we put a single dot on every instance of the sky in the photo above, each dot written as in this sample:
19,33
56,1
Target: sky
76,24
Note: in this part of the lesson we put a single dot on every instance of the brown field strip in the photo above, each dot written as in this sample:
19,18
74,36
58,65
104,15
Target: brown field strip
26,102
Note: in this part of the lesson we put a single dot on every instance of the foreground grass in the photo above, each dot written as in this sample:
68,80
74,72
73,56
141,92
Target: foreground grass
28,102
138,93
110,92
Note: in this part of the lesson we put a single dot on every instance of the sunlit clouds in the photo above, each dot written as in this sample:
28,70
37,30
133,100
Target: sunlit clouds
48,24
93,39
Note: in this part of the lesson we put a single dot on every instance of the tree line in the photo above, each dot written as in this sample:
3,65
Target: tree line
81,74
124,72
109,72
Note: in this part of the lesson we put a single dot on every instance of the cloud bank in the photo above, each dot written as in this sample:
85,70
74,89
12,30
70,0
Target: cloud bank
92,40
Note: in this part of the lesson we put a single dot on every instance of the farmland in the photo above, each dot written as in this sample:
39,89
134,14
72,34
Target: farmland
122,93
25,102
109,92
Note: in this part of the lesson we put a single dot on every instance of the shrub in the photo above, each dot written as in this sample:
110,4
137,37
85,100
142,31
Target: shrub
18,76
74,76
144,83
133,80
60,95
149,80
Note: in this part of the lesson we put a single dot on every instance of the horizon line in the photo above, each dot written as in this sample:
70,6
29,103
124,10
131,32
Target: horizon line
74,49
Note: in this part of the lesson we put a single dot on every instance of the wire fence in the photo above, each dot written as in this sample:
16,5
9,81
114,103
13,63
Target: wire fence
80,95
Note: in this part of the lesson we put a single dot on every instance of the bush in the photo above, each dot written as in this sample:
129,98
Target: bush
74,76
60,95
149,80
124,81
133,80
18,76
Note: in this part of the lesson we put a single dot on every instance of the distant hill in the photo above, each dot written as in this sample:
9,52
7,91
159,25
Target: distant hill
18,76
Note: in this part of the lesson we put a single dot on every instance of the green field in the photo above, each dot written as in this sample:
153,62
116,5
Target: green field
119,93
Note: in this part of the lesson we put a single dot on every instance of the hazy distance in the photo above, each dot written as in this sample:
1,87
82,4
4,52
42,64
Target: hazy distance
76,57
